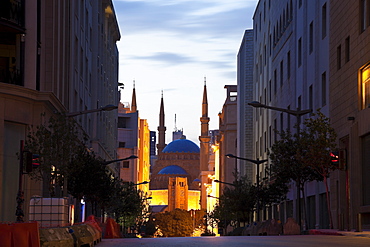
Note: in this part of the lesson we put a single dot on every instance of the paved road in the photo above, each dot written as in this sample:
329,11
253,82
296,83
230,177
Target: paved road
250,241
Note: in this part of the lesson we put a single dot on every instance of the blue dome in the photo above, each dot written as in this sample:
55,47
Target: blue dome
173,170
181,146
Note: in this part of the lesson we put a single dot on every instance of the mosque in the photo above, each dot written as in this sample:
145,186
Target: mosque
180,176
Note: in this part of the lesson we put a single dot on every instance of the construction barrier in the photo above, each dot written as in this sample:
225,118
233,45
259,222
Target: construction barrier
82,235
112,229
20,235
56,237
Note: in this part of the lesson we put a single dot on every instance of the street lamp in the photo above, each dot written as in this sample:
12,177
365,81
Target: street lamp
221,182
103,108
257,162
298,113
145,182
113,161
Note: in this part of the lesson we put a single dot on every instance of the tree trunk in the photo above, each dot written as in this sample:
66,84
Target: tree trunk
304,208
328,202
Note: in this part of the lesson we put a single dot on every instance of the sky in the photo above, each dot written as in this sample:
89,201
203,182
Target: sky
174,46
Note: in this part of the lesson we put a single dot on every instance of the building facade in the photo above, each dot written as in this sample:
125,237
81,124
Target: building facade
228,137
291,71
133,139
244,111
349,59
55,56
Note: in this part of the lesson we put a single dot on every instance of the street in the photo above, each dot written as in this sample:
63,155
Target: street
250,241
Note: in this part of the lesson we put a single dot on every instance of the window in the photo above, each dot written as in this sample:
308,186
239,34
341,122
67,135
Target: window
339,56
288,121
323,89
323,21
288,64
299,52
121,144
365,81
275,130
270,89
281,73
310,97
363,9
121,122
281,122
365,141
347,49
275,81
125,164
310,44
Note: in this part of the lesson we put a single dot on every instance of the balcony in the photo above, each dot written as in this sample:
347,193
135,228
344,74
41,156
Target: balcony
12,16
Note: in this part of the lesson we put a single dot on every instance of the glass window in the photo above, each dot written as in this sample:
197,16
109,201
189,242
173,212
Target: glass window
299,52
310,48
365,83
323,89
347,49
323,21
365,169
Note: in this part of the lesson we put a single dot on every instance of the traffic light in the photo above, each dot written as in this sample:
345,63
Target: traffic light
339,159
335,158
32,161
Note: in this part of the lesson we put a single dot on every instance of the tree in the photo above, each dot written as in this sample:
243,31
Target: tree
236,204
127,204
176,223
318,140
286,162
57,142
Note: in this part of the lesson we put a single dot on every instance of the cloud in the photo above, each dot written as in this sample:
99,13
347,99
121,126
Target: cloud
182,17
166,57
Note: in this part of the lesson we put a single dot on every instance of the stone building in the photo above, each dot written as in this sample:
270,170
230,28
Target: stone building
55,56
349,112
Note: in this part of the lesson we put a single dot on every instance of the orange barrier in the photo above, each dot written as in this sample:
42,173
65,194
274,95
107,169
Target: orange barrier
20,235
112,229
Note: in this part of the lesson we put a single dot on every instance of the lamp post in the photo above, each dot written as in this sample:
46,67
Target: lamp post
257,162
297,113
113,161
221,182
104,108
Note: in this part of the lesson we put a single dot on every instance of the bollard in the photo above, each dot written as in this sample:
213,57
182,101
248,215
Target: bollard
359,223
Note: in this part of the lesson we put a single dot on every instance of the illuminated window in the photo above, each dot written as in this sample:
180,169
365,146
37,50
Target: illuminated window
365,83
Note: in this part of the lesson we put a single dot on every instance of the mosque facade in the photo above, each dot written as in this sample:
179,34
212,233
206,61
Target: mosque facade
181,168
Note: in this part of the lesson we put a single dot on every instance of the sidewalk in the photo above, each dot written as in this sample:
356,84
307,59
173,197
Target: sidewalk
364,233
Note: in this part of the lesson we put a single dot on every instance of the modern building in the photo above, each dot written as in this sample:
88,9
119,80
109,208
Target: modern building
349,81
55,56
245,65
291,71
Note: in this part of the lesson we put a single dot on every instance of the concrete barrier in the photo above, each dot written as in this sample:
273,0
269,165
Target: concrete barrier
56,237
82,236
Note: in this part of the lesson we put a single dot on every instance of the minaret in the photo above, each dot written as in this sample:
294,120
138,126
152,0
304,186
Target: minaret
133,101
161,129
204,139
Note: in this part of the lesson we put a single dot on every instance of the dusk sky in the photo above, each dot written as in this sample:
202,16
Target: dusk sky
171,45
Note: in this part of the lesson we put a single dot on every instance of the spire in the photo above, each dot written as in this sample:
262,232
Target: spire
133,102
204,139
205,101
161,128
